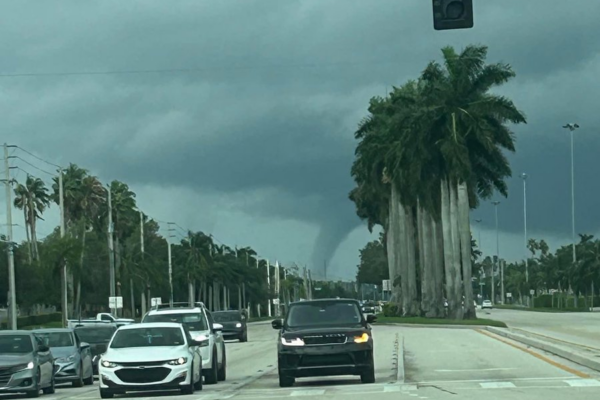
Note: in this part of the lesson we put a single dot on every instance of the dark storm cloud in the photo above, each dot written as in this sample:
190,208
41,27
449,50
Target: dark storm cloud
278,90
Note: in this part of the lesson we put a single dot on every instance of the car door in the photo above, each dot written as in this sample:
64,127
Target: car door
45,361
219,341
86,357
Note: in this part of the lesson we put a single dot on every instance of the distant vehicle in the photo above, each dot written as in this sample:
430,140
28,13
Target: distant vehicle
72,357
234,324
199,321
153,356
27,364
98,337
368,310
324,338
486,304
101,318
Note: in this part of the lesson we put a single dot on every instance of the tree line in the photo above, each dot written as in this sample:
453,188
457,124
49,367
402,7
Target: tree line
222,276
428,153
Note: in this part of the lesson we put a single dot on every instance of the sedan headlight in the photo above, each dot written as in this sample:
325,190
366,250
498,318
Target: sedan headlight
30,365
179,361
292,342
238,325
108,364
364,338
71,358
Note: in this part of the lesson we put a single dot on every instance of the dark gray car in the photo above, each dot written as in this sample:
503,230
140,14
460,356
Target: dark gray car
73,357
234,324
98,337
26,364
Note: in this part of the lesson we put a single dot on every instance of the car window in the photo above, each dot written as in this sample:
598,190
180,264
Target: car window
211,320
56,339
105,317
324,313
15,344
148,337
193,321
95,335
227,316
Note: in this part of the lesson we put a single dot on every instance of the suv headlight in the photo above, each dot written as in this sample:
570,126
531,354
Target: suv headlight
364,338
108,364
179,361
292,342
238,325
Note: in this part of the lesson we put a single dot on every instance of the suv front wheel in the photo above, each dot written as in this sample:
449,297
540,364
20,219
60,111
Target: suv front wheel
212,373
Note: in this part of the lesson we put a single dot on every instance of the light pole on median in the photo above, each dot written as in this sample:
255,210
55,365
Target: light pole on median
524,177
571,127
495,203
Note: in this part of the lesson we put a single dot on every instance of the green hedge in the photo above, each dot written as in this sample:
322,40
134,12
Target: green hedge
391,310
567,302
36,320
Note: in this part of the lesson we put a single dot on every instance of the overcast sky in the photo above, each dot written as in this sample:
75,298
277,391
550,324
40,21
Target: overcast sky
250,135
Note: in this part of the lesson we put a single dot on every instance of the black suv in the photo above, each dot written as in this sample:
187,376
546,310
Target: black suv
324,338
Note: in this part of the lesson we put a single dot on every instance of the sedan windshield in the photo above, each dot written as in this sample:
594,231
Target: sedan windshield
147,337
227,316
325,313
56,339
95,335
194,322
15,344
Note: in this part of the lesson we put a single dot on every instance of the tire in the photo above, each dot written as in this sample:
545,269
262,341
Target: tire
212,373
244,337
198,385
105,394
79,381
90,380
222,374
369,375
286,380
189,389
50,389
35,392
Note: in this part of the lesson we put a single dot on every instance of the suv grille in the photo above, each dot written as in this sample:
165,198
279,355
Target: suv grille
332,338
146,375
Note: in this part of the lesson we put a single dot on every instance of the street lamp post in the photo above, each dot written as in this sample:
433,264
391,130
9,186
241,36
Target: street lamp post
495,203
524,177
571,127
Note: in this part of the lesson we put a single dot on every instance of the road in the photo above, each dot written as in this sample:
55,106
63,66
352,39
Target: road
581,328
440,363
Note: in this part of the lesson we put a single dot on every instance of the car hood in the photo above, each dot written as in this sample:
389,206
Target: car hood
145,354
63,352
323,330
9,360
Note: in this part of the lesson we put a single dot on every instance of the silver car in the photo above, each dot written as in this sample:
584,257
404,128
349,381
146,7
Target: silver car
73,358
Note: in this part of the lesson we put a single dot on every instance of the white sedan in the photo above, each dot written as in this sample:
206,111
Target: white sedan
151,356
486,304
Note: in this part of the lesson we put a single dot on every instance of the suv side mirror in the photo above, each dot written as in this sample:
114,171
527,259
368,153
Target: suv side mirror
84,345
371,318
199,343
277,324
217,327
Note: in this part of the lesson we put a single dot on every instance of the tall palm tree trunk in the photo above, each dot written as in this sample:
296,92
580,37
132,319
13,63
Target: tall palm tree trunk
411,267
456,276
465,242
81,269
393,241
425,264
190,290
449,264
29,250
437,241
402,256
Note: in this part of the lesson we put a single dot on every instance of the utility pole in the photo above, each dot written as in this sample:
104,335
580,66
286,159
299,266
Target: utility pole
65,285
143,299
111,248
325,269
9,245
277,288
495,203
571,127
269,288
524,177
169,236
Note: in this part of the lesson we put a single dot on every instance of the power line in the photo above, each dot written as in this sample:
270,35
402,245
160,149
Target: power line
33,166
37,157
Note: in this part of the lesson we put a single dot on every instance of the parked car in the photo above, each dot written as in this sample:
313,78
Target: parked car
486,304
199,321
323,338
234,324
101,318
73,358
98,337
151,356
26,364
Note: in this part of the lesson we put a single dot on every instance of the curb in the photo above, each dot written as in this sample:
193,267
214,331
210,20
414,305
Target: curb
550,348
439,326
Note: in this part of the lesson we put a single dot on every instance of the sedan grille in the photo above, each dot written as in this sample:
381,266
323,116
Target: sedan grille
142,364
7,372
332,338
145,375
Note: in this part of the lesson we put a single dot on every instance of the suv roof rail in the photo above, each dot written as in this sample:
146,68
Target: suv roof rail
178,305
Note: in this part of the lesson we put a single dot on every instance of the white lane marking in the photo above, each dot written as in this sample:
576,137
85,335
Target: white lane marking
497,385
308,392
583,382
389,389
557,378
474,370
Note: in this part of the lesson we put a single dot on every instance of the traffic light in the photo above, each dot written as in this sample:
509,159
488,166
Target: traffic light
452,14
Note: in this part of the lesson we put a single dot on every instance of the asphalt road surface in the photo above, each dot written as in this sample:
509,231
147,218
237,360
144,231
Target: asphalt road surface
439,363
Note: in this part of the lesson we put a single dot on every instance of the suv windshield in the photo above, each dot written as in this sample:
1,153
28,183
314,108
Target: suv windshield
15,344
192,321
95,335
323,313
227,316
147,337
56,339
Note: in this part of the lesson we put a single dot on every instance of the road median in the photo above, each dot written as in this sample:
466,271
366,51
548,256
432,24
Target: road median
582,355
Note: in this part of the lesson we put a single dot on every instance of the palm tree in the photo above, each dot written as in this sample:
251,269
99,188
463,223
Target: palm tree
21,202
33,199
